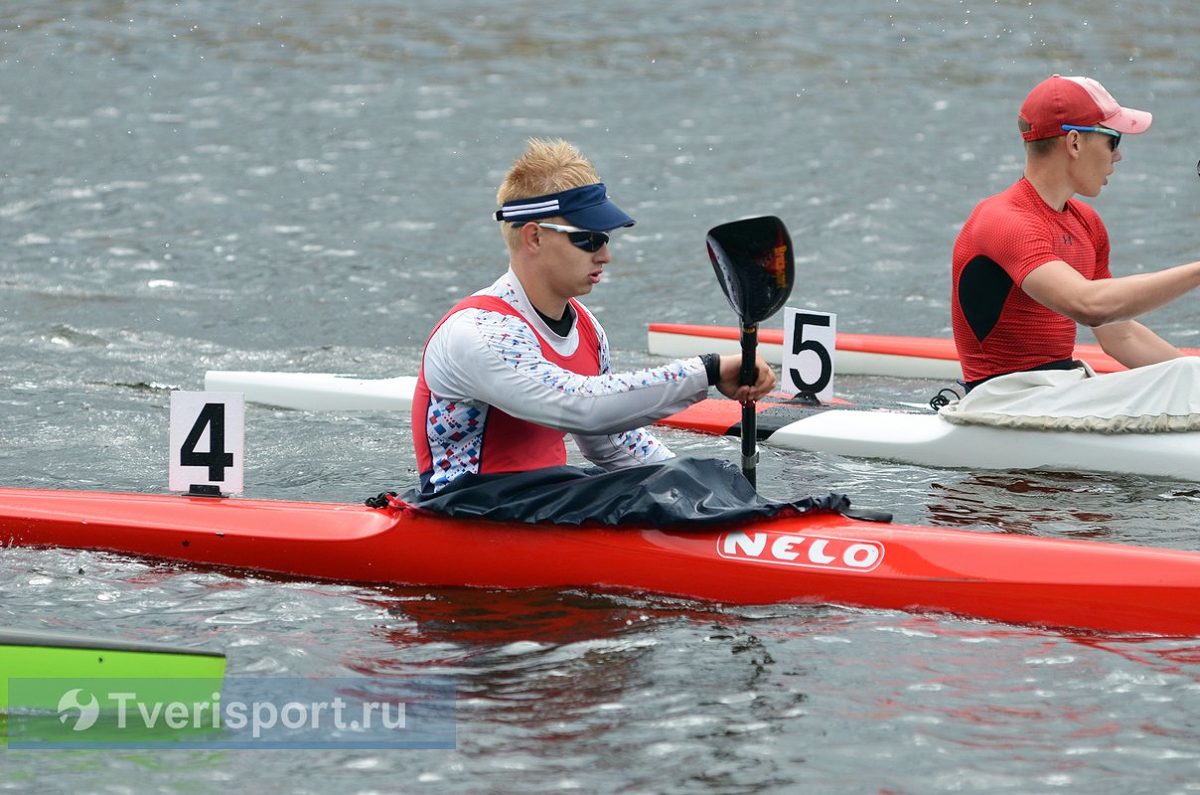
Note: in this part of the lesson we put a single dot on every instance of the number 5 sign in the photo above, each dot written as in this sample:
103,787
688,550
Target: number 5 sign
208,436
809,339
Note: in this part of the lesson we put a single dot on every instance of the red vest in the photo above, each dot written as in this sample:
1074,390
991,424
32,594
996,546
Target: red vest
509,444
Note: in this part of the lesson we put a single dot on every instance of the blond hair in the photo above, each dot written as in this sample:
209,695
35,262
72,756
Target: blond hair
546,166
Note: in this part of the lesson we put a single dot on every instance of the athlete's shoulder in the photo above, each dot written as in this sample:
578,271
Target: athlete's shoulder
1020,196
499,297
475,318
1018,204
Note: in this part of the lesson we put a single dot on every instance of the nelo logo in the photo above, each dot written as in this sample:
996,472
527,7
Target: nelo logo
808,551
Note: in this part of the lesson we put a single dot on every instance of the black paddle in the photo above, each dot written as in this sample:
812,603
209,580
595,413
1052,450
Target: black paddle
753,261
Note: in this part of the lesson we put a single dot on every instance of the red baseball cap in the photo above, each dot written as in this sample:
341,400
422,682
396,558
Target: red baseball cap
1059,100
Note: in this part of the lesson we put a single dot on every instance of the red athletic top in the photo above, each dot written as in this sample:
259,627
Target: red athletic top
997,327
503,442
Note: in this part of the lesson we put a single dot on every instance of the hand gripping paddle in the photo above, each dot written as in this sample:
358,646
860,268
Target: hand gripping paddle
753,261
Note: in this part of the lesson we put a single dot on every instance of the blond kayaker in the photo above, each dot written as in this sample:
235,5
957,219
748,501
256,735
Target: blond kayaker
514,368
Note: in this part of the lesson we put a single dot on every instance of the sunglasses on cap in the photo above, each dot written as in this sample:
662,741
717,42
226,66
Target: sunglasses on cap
1114,137
584,239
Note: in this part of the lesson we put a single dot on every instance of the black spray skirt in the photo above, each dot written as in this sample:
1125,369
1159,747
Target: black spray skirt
680,491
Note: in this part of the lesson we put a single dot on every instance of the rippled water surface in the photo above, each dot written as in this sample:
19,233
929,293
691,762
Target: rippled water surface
307,185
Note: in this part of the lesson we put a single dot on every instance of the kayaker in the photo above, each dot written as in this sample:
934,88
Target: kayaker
511,370
1033,261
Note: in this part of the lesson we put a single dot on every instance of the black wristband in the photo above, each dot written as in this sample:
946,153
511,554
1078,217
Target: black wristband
712,367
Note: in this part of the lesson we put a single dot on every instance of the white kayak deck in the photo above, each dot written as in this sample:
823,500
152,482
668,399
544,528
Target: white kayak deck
929,440
924,439
316,391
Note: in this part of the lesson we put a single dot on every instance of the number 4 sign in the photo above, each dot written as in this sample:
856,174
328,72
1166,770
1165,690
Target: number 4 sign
208,435
809,341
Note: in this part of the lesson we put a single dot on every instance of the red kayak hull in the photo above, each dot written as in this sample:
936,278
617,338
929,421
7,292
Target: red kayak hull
822,558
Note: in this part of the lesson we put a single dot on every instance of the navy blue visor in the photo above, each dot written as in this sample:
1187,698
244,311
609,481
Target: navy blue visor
586,207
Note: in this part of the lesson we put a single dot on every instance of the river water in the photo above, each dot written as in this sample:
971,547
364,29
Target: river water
303,185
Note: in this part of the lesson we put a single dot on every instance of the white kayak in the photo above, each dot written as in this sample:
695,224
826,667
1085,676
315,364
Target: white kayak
924,439
854,354
929,440
316,391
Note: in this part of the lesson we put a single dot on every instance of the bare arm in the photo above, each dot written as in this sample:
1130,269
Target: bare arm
1060,287
1134,345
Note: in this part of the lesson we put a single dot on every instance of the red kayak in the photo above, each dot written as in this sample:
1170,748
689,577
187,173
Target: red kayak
723,417
814,558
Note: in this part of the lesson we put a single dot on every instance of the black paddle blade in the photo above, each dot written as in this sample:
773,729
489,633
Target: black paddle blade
753,261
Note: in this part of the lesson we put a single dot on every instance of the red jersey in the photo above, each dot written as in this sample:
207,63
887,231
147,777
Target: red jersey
997,327
484,440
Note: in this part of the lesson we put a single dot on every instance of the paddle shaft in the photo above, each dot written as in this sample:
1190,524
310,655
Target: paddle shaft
747,377
753,262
